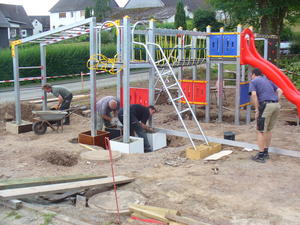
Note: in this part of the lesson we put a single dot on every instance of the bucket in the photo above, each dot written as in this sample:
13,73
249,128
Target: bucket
113,132
229,135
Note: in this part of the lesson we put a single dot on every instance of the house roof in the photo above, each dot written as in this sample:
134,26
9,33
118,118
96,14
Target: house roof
16,14
159,13
193,5
45,20
3,21
76,5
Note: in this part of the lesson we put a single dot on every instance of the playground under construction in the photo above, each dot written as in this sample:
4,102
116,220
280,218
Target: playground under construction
199,171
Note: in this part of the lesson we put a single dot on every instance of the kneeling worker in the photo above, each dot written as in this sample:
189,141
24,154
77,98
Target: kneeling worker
64,98
139,115
107,108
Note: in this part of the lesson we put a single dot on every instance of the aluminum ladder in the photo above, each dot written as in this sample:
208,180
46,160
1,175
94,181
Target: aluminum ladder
164,75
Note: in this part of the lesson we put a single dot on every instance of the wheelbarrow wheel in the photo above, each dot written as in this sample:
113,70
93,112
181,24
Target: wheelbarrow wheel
39,127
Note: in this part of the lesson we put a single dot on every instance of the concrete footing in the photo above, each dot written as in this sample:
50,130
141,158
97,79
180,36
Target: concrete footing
135,145
14,128
157,140
202,151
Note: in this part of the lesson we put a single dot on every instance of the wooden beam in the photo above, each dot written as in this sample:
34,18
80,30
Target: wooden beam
29,182
12,204
184,220
152,212
55,188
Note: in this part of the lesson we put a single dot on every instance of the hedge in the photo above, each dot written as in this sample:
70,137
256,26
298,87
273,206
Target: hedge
60,59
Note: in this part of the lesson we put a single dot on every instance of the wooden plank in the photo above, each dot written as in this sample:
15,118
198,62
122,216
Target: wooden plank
148,213
75,97
152,212
184,220
218,155
157,209
28,182
12,204
55,188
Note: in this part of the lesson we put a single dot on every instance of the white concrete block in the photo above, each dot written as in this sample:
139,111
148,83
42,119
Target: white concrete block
136,145
13,128
157,140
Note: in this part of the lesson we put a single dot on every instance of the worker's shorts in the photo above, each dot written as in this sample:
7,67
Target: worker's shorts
268,114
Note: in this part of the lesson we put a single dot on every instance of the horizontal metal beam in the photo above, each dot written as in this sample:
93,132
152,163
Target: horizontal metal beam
29,67
229,142
57,30
175,32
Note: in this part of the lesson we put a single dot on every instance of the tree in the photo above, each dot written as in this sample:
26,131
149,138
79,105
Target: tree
203,18
268,16
180,20
102,7
88,13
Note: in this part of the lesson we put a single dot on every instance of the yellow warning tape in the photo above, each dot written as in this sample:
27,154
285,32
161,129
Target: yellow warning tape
249,103
196,103
194,81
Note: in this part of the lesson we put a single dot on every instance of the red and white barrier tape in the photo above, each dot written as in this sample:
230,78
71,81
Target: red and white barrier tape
48,77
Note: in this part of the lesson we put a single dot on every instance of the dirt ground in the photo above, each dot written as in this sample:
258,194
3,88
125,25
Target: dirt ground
242,192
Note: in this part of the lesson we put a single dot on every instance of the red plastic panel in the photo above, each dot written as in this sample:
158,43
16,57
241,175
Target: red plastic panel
137,96
188,90
200,93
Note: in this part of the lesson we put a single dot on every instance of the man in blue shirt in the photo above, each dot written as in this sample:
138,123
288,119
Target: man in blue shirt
265,96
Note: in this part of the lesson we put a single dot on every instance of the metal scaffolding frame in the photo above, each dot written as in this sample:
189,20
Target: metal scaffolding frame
47,38
125,33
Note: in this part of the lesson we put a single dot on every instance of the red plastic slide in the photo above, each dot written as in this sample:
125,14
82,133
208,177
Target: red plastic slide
249,55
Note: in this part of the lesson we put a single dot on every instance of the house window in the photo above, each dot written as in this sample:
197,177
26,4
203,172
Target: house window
13,33
62,15
24,33
72,14
82,13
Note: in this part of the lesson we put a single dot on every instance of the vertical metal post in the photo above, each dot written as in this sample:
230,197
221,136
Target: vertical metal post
266,46
120,72
93,51
151,39
180,58
207,106
220,87
17,85
220,91
238,80
194,56
43,73
248,112
126,63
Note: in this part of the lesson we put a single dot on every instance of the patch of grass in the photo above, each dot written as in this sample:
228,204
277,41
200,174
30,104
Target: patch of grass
14,214
48,217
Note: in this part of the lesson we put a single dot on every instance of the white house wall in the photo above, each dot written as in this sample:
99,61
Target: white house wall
143,4
187,14
56,22
37,26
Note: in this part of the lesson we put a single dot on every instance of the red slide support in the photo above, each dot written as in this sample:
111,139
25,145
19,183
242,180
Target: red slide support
249,55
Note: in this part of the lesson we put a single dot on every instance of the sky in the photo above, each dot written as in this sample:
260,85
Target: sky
40,7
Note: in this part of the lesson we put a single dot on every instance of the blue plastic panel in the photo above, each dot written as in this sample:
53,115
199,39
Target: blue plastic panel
244,93
230,44
215,46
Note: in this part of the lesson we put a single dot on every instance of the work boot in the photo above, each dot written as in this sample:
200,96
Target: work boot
259,157
266,153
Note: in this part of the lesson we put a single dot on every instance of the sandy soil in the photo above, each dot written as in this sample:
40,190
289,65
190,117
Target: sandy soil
242,192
